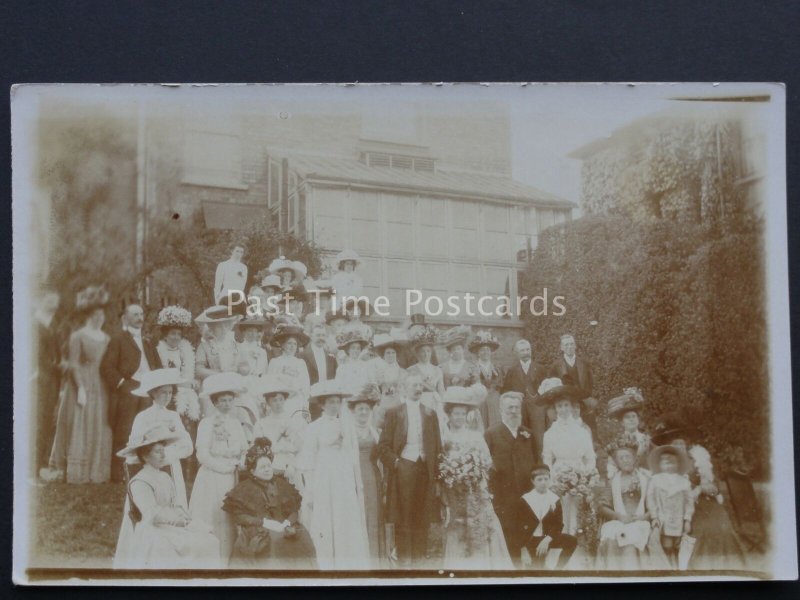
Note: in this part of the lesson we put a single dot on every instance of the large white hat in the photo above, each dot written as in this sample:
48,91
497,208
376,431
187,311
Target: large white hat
347,254
155,379
332,387
271,281
222,382
464,396
159,432
216,314
279,264
274,384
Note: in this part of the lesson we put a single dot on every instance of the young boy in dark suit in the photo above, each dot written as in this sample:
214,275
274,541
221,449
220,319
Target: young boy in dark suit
541,520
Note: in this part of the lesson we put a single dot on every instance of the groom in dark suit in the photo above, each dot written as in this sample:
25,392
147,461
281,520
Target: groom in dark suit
128,356
321,365
409,449
511,446
525,377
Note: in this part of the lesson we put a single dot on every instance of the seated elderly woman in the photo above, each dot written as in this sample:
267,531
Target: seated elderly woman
626,539
265,506
157,532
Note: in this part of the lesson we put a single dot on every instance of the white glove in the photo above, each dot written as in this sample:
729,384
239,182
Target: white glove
81,397
273,525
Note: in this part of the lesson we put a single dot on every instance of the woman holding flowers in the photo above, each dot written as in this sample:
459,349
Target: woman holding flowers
473,536
567,449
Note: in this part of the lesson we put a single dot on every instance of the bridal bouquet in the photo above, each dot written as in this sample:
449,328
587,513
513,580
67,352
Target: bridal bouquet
187,404
467,469
573,481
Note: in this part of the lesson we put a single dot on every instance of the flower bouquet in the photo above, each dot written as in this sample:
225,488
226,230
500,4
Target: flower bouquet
573,481
467,470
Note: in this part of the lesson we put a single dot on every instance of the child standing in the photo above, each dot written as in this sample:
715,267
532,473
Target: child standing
541,520
669,498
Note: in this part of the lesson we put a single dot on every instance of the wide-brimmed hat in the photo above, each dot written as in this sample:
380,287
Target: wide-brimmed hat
331,387
157,378
331,316
216,314
427,336
279,264
159,432
253,321
654,458
471,396
416,319
483,338
360,305
383,341
345,255
222,382
91,298
554,389
273,281
671,426
631,400
275,384
174,317
284,331
354,331
456,335
369,393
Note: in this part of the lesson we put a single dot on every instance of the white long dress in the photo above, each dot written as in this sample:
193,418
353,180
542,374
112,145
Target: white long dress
295,370
330,464
156,545
182,448
221,444
568,444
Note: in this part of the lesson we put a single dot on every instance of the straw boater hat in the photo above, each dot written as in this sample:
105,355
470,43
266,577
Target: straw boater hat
346,255
631,400
159,432
222,382
457,335
216,314
483,338
369,393
330,387
654,458
384,341
554,389
354,331
471,396
671,426
275,384
157,378
286,330
174,317
427,336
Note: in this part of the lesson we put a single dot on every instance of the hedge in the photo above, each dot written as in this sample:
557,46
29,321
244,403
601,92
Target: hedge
678,311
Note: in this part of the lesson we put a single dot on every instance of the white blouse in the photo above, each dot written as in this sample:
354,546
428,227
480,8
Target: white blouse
569,444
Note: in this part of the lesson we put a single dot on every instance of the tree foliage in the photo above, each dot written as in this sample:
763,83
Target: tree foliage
669,308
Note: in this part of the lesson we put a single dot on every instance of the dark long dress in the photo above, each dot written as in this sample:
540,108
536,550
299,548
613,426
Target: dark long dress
371,480
254,500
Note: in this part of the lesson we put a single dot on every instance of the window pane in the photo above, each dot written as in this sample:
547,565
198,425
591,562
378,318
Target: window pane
366,236
497,246
545,218
495,218
465,215
399,239
329,202
398,208
464,243
364,205
329,232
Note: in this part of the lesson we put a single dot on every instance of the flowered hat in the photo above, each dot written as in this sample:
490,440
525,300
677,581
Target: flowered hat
216,314
159,432
261,447
383,341
91,298
671,426
624,441
331,387
275,384
483,338
355,331
331,316
471,396
369,393
222,382
253,321
457,335
346,255
654,458
155,379
554,389
631,400
427,336
286,330
174,317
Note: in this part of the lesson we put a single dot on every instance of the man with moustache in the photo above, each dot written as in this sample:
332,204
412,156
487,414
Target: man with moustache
512,450
320,363
578,370
524,377
128,357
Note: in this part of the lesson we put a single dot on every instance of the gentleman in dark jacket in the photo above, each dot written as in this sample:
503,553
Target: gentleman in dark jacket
511,447
409,449
129,355
577,370
321,364
524,377
540,519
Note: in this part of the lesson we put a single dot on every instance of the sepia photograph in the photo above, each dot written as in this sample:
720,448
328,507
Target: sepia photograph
348,334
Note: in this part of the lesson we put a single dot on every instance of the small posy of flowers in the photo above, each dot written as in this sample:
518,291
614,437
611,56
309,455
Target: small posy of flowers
468,469
187,404
572,481
634,392
175,315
